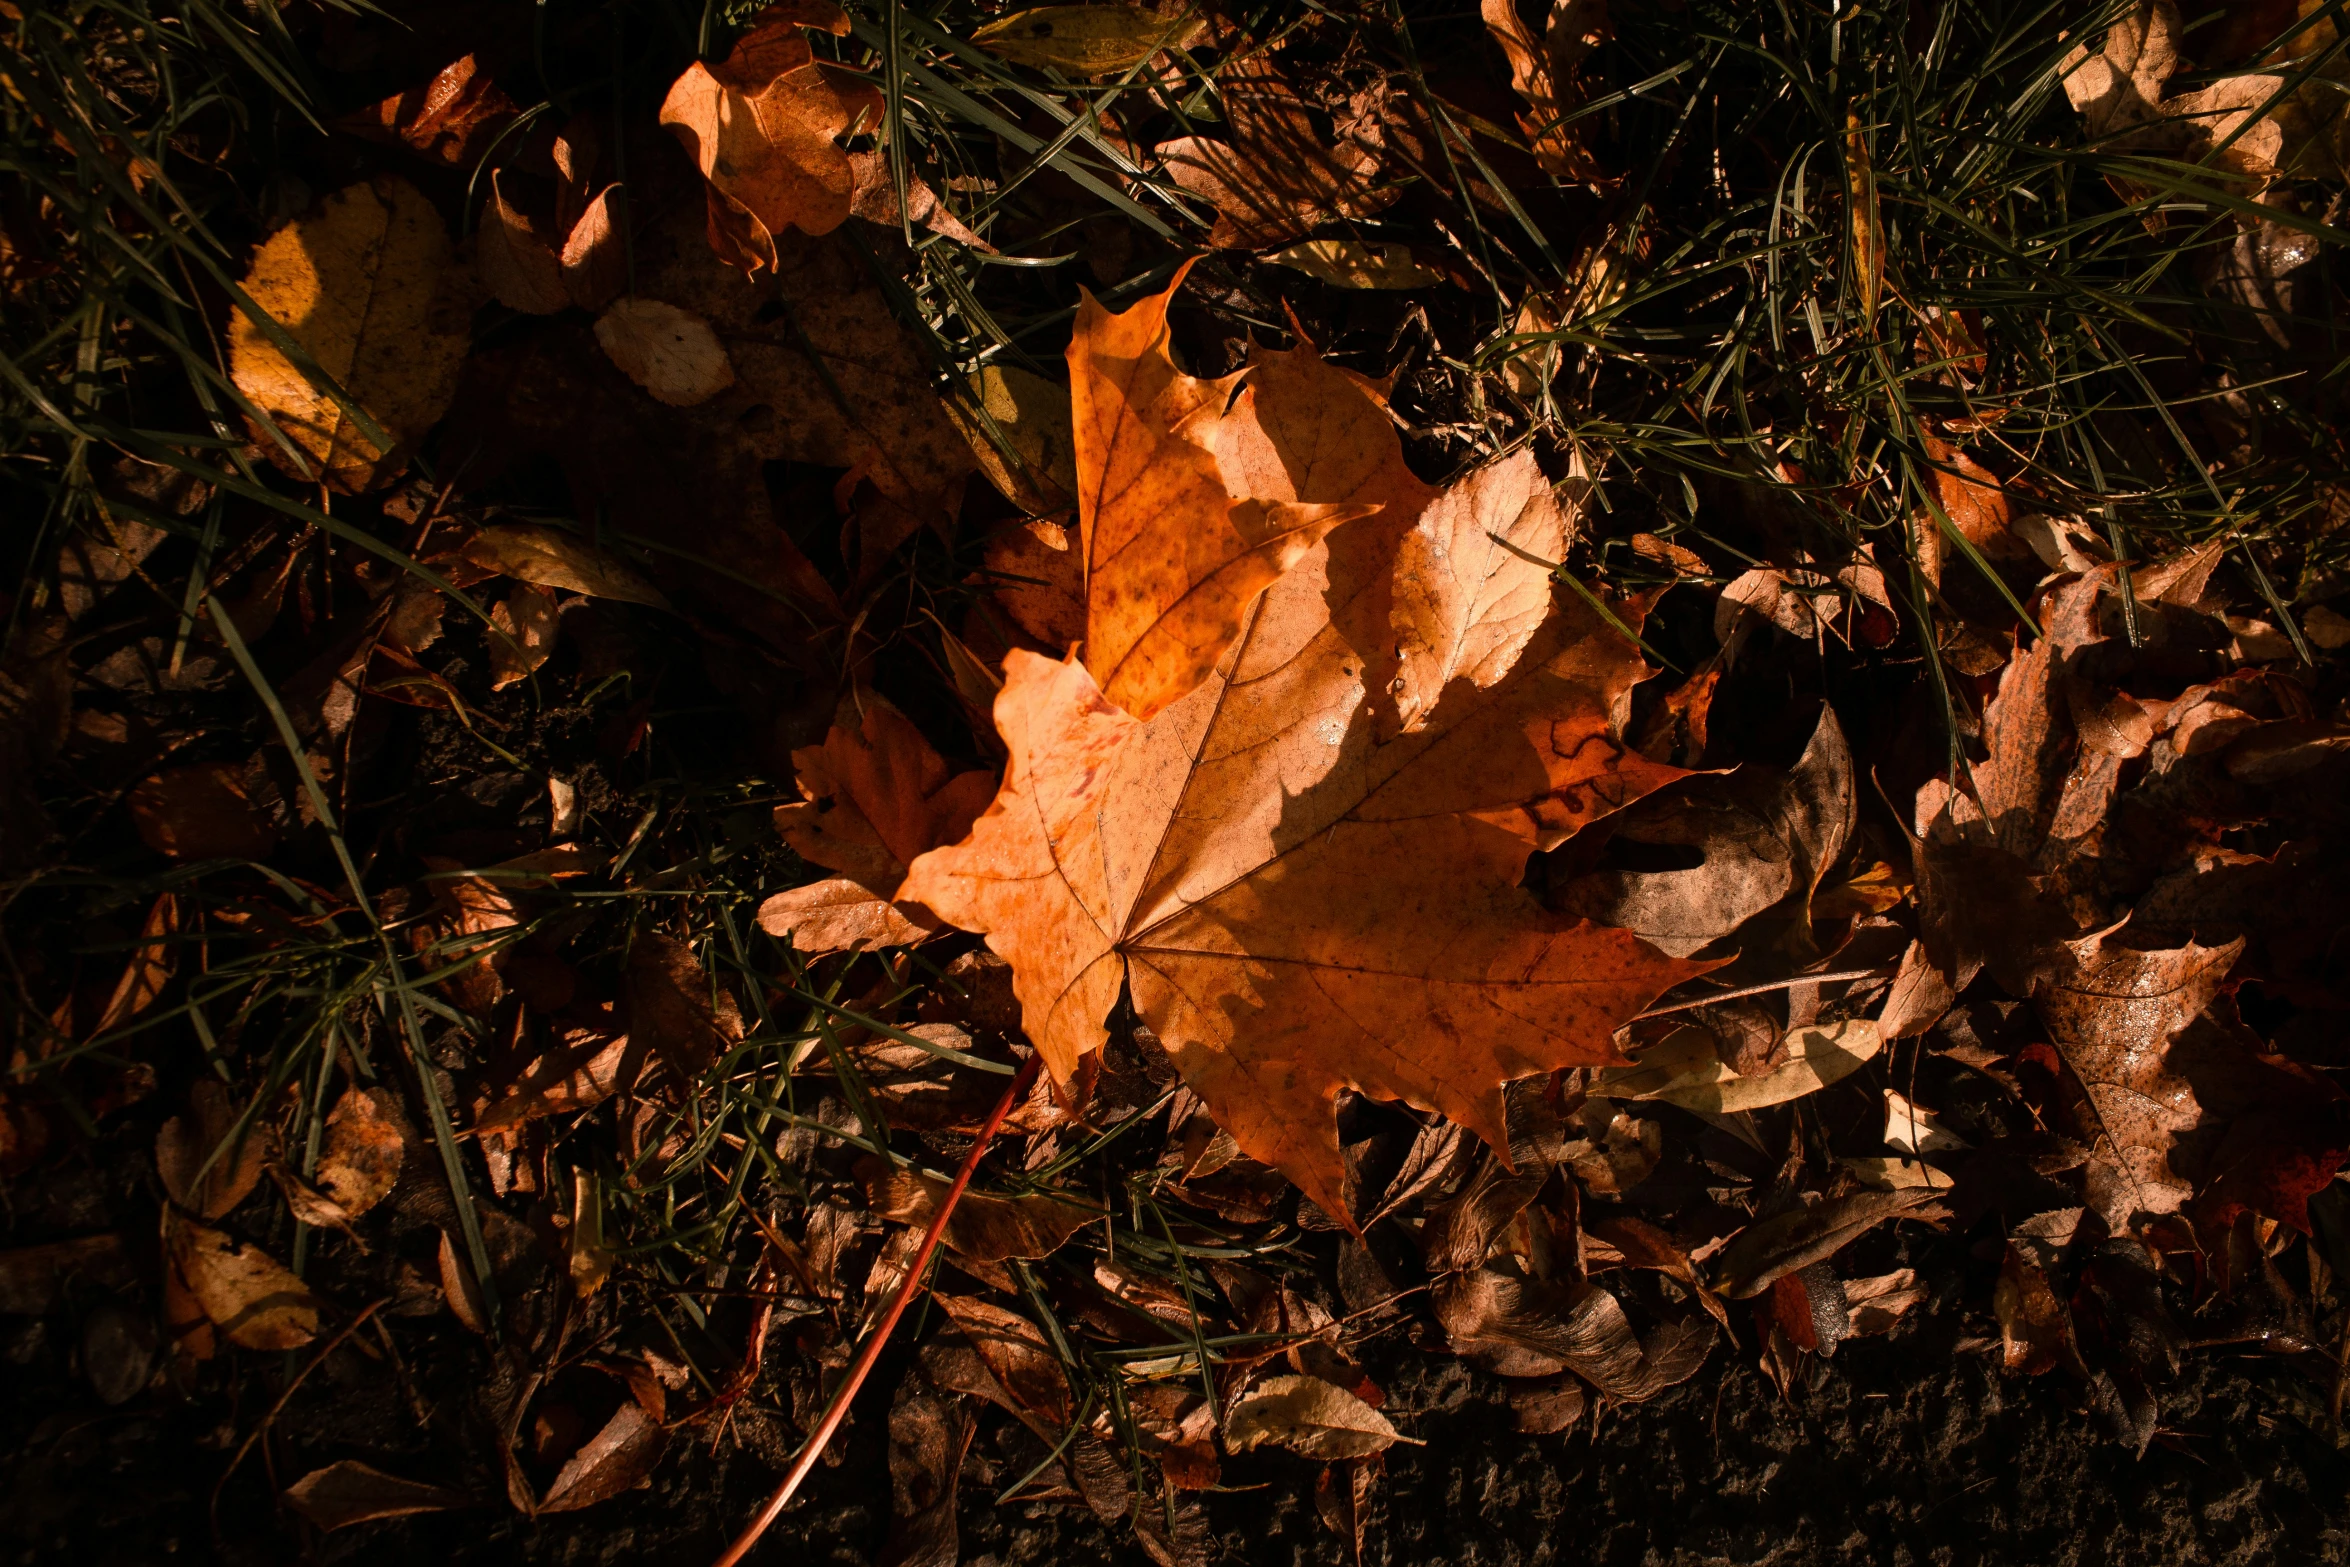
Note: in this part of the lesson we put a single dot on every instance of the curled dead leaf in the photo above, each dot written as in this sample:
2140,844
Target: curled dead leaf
983,1228
350,1492
1088,40
1685,1069
614,1459
838,915
552,558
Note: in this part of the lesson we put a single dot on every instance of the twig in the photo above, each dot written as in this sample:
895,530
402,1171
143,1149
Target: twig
838,1409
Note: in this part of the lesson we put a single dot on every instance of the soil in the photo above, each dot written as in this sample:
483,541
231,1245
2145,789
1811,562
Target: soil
1912,1448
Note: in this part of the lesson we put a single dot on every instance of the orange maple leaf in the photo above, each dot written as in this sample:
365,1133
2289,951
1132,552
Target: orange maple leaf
1302,884
1174,554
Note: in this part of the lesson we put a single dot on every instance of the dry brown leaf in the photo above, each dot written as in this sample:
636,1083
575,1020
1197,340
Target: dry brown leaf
876,796
34,1279
148,970
1685,1069
370,291
838,915
673,1007
1021,1372
552,558
613,1460
1767,1251
767,126
1547,72
1297,904
1173,559
928,1433
2112,1013
1031,415
521,636
461,1289
1089,40
1276,177
518,266
983,1228
451,119
671,353
595,255
246,1292
1765,835
1356,263
350,1492
203,812
1310,1416
366,1142
207,1160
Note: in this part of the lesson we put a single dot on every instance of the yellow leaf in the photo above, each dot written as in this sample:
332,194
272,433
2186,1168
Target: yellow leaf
369,289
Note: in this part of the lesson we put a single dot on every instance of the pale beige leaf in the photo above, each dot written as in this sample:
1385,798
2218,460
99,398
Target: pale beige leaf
1310,1416
1684,1069
669,352
837,915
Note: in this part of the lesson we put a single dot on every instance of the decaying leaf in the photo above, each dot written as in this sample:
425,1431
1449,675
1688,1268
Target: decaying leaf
2112,1013
982,1228
211,1158
674,1007
1310,1416
1775,1247
552,558
1173,558
366,1143
201,812
615,1458
1356,263
521,637
246,1292
671,353
1088,40
838,915
1686,1069
1547,73
928,1433
369,291
350,1492
450,119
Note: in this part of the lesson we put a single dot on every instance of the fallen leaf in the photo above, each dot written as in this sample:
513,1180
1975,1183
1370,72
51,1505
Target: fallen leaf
1764,835
2035,1330
1019,1370
1031,416
203,812
837,915
1769,1250
244,1290
148,970
451,119
1518,1326
1276,176
462,1290
1310,1416
674,1007
34,1279
671,353
614,1459
2112,1013
1173,559
369,291
1912,1129
1356,263
1297,904
1088,40
350,1492
521,636
366,1143
928,1434
983,1228
582,1072
210,1159
518,266
1875,1304
1685,1069
1547,73
876,796
1040,582
552,558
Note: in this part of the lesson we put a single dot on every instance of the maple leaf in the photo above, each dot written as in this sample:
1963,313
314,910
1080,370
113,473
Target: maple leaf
1173,553
1299,894
765,127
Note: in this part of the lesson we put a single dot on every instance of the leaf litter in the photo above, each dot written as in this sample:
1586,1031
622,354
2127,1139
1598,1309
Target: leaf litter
607,802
